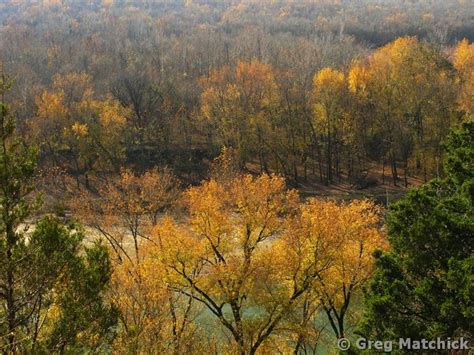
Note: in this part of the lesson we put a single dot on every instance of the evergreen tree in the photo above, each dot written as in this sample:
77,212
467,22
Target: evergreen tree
51,285
424,286
17,165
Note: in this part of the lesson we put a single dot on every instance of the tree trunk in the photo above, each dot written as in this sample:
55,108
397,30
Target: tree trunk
11,313
394,169
328,163
405,173
305,169
383,171
295,172
239,338
10,285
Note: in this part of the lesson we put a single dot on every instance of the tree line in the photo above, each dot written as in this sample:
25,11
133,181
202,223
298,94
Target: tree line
388,111
105,84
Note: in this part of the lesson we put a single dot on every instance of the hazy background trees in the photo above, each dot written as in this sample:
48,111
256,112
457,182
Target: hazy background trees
185,78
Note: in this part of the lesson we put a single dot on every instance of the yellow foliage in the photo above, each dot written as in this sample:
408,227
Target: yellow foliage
79,129
329,93
257,83
334,243
154,319
464,56
408,85
464,63
357,79
223,250
249,244
239,102
245,244
51,105
329,79
111,113
70,112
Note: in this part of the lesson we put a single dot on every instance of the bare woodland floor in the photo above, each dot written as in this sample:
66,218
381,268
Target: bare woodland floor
382,189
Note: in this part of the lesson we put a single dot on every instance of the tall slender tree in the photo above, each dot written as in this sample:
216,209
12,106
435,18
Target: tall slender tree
51,286
17,166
